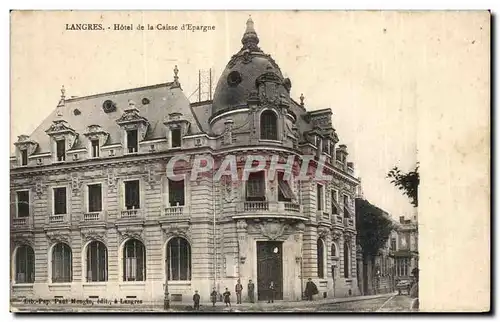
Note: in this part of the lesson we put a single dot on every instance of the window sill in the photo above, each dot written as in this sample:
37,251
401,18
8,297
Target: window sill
185,283
134,283
95,283
62,284
22,285
270,141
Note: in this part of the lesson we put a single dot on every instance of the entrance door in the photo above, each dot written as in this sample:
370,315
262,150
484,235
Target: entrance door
269,268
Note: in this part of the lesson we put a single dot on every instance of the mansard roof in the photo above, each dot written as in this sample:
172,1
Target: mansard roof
154,103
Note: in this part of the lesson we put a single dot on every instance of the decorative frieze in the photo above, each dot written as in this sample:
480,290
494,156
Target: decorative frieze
130,232
24,238
58,236
182,229
90,234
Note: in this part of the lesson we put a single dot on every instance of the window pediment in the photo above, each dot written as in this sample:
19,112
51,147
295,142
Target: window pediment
96,132
132,120
25,143
60,130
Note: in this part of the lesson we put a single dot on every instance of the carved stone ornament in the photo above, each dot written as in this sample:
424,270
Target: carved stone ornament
176,230
131,232
150,176
323,232
273,229
336,234
112,179
25,238
57,236
39,187
90,234
75,183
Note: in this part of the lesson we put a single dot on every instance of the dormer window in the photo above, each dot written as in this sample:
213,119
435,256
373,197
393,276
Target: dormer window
61,150
176,138
24,157
95,148
132,142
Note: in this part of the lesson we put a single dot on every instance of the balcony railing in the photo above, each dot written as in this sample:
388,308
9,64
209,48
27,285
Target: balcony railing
291,207
130,213
175,211
56,219
92,216
256,206
22,221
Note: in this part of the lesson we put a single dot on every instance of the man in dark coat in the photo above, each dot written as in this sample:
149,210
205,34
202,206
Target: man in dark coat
311,290
238,288
196,300
251,289
213,297
227,297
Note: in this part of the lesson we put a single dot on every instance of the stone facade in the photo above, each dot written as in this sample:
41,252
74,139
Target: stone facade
227,234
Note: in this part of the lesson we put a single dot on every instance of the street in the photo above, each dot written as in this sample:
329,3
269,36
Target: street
382,303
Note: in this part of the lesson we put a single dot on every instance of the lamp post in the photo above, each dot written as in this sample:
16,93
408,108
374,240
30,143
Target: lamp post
166,299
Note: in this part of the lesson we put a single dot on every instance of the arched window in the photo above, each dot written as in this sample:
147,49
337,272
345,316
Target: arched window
25,265
178,260
347,259
62,271
334,250
97,262
268,125
134,261
321,259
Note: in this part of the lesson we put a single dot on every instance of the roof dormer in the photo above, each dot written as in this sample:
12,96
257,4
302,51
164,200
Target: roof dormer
97,137
24,148
134,127
63,137
177,127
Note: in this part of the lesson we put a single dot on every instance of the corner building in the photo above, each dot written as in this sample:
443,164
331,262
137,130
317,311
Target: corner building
93,214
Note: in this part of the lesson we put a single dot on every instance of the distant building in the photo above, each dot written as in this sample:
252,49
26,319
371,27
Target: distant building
93,214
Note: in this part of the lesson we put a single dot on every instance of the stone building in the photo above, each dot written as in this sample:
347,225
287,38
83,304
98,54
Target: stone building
94,215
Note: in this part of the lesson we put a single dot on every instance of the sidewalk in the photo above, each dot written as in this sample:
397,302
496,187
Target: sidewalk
187,306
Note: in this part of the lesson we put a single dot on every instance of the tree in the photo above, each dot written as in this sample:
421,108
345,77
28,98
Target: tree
373,228
408,182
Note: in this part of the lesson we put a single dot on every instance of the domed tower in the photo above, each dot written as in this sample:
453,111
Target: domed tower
251,102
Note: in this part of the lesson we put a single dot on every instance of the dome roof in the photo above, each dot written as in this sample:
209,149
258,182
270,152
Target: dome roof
239,77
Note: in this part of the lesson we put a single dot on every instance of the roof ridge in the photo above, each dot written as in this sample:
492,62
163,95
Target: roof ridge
121,91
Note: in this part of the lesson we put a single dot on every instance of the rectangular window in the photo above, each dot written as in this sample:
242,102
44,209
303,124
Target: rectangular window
132,141
176,193
176,138
326,146
335,209
132,194
23,204
256,187
95,148
285,193
24,157
319,196
61,150
347,213
95,198
60,201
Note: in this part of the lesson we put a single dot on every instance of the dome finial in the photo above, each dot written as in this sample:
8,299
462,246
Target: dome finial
250,39
302,99
63,97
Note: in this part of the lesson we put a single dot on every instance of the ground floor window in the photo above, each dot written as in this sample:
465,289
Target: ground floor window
402,267
61,263
321,260
97,262
134,261
25,265
178,259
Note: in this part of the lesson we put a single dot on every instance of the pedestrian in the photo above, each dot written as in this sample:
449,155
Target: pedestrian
227,297
311,289
272,289
196,300
213,297
238,288
251,289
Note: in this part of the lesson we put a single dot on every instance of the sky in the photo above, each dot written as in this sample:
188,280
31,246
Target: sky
365,66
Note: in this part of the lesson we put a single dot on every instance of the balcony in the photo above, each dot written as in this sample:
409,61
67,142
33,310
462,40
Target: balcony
348,222
20,223
57,219
175,211
322,217
130,213
92,216
284,209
